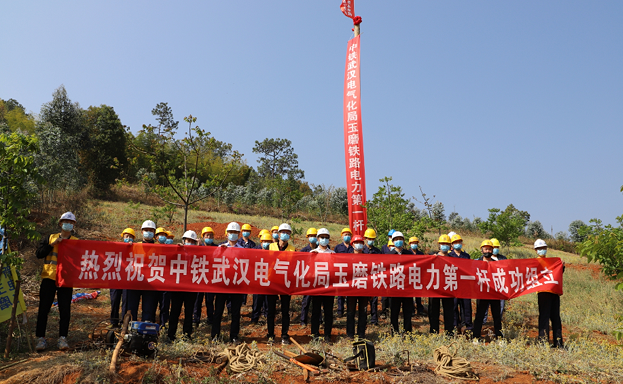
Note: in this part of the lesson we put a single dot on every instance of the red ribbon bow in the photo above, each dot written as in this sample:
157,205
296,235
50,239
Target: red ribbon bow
357,20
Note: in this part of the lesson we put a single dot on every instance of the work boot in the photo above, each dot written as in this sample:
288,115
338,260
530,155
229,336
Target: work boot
41,344
62,343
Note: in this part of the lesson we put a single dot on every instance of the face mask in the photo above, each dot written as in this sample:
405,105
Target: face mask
346,239
358,246
162,239
67,227
399,243
208,241
392,248
457,246
370,243
496,251
324,242
189,243
246,234
265,245
169,241
414,246
445,248
487,254
148,235
128,240
284,237
232,236
541,252
313,240
275,235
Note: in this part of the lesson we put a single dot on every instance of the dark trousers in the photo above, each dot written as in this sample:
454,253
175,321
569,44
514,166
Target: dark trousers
358,304
259,308
165,307
549,309
419,308
219,308
374,310
115,302
285,315
150,303
463,313
385,305
434,310
209,300
47,291
482,307
502,304
407,313
341,300
177,300
318,304
305,304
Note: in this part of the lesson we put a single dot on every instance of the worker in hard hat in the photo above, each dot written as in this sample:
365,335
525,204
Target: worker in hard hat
462,307
369,238
274,232
312,239
170,237
285,233
435,303
187,299
260,302
385,248
414,246
161,236
322,304
233,233
150,299
357,304
499,256
48,251
405,302
207,237
343,247
549,306
245,241
116,295
262,232
482,305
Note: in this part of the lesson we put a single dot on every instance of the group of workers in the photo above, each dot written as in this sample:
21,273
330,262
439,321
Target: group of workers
457,313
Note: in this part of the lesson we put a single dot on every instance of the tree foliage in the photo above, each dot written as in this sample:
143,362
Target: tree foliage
277,159
388,208
576,231
506,226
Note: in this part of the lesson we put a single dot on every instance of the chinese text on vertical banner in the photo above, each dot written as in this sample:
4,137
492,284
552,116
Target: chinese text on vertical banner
348,8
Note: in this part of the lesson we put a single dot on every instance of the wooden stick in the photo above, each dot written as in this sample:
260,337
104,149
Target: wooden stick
298,345
113,362
9,338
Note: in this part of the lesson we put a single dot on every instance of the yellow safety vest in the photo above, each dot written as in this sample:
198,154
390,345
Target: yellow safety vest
275,247
49,264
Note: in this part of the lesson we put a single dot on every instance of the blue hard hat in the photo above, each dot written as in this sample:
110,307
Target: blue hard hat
391,232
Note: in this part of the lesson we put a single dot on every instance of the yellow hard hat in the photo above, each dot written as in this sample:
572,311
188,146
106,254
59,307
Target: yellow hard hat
206,230
390,243
495,242
246,227
170,234
263,231
444,239
266,237
486,242
456,237
160,230
414,240
312,231
370,233
129,231
275,228
346,230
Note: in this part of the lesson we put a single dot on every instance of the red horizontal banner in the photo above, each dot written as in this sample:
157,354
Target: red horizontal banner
98,264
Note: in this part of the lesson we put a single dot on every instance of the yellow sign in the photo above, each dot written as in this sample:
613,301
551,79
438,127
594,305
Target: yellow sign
8,277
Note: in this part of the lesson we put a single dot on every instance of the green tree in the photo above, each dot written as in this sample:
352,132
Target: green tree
576,231
17,193
61,112
104,153
278,159
388,209
14,117
506,226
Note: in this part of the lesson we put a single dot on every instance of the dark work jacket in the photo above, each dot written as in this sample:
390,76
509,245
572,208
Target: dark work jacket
372,250
250,244
341,248
308,248
501,257
460,255
417,251
385,249
404,252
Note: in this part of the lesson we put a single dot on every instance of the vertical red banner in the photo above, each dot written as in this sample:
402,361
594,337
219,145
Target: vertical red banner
348,8
353,141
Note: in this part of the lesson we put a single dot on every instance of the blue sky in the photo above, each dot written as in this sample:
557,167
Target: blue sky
482,103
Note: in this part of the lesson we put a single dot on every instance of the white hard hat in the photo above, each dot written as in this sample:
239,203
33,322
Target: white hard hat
67,216
451,234
190,235
285,227
233,226
323,231
148,224
397,234
539,243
